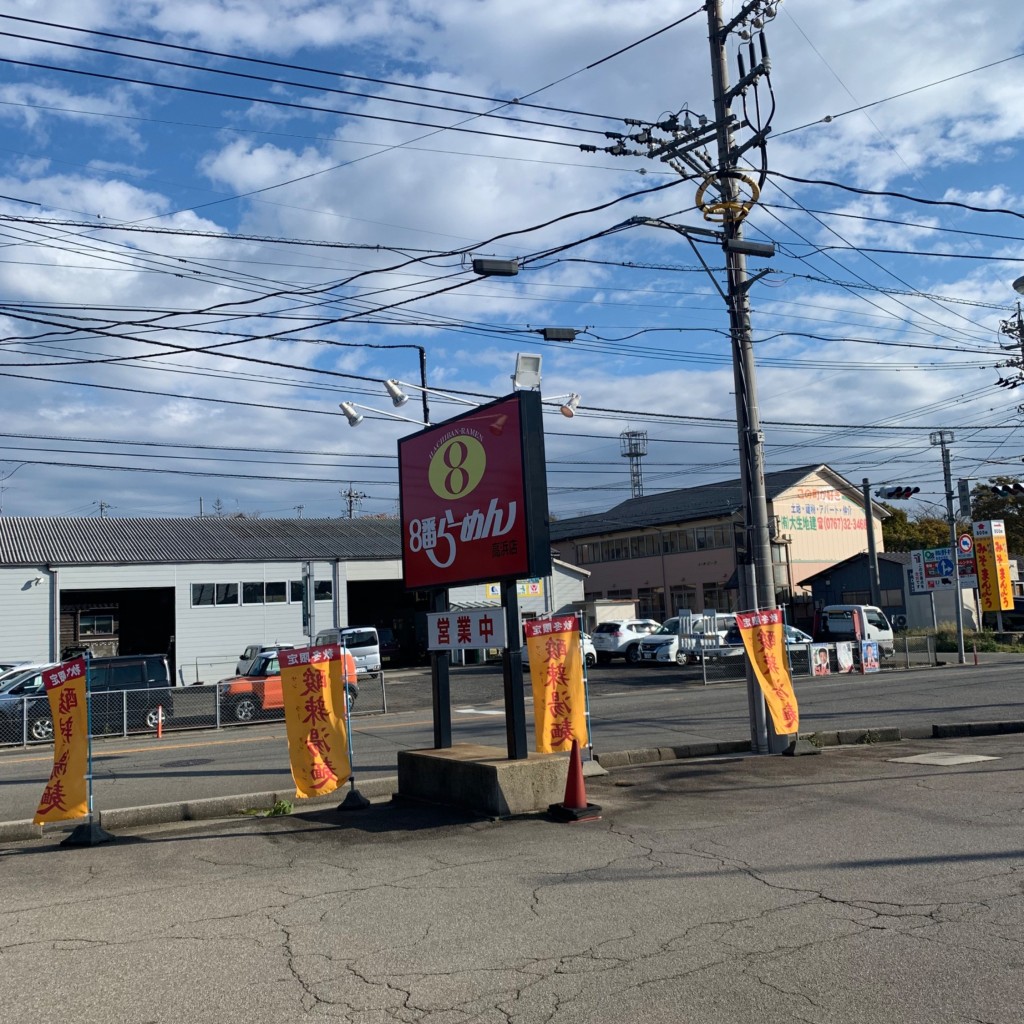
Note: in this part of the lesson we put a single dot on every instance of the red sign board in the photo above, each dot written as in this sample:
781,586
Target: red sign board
474,497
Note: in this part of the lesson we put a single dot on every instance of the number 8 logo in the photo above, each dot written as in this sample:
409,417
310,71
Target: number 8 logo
457,467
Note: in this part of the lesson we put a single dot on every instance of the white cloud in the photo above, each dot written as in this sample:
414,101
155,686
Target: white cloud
657,339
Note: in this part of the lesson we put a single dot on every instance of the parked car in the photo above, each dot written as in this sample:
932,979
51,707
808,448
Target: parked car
620,638
258,693
11,664
589,653
362,642
664,646
390,647
124,692
13,676
245,659
734,642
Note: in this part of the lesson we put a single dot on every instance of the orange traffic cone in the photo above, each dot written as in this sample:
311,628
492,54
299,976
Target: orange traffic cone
574,806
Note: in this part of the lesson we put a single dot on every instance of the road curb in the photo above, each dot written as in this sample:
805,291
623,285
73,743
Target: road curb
231,806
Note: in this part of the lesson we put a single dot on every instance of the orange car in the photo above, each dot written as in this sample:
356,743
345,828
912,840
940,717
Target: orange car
258,692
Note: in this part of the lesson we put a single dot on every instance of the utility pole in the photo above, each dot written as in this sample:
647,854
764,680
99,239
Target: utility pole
943,438
352,499
725,196
874,582
1013,328
760,591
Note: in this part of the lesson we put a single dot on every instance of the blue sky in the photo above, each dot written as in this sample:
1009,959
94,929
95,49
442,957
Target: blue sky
304,184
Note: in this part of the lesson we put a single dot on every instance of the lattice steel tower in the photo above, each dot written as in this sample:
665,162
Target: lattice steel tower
633,446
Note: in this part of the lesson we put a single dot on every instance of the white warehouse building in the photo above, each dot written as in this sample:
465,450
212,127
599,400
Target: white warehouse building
202,589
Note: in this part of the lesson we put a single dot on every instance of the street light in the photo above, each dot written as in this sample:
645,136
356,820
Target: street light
1018,285
355,418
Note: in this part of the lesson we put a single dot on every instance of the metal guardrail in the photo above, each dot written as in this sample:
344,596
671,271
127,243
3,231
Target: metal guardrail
25,721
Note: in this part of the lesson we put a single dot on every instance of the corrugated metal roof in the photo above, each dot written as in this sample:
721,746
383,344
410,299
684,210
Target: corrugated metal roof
682,505
63,540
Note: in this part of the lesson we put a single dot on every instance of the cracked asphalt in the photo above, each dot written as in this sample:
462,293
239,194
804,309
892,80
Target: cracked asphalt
843,887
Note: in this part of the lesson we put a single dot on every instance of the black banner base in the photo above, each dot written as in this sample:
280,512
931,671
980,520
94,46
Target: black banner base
87,834
592,812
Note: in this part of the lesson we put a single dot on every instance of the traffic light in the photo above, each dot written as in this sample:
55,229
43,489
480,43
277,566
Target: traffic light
1006,490
900,493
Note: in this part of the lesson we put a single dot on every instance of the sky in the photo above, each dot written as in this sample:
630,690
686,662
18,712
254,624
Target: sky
222,218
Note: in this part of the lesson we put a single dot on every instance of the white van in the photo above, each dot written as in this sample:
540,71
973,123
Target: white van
846,621
362,642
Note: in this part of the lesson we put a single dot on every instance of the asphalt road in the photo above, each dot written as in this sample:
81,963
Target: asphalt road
847,888
631,708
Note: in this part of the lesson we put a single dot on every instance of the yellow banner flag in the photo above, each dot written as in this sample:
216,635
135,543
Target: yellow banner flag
765,644
66,795
556,673
995,588
313,685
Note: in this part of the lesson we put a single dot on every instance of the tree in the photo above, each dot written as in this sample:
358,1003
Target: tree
901,533
218,507
1010,509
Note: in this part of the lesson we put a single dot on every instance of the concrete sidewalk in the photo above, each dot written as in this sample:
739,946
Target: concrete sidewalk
841,889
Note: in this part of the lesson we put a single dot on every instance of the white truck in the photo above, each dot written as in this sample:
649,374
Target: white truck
855,622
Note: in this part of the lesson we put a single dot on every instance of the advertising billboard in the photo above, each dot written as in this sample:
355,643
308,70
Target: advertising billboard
474,497
995,588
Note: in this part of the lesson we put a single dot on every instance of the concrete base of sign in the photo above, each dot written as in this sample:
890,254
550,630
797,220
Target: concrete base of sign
482,779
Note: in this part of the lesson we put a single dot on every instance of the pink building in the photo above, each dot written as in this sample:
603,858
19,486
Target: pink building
677,550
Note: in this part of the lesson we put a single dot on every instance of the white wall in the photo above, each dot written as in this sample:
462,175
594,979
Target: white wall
25,614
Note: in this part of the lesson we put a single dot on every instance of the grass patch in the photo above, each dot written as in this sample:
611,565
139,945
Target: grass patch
279,808
984,641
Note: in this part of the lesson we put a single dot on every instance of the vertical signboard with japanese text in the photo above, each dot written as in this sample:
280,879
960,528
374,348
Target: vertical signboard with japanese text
995,588
66,795
764,641
313,687
556,672
474,497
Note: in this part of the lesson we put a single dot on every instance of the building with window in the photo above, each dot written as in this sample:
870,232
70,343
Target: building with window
678,550
203,589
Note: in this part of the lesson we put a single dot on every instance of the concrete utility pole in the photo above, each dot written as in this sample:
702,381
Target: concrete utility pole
874,582
725,197
944,438
760,591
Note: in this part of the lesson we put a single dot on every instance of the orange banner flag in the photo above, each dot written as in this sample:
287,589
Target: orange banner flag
67,795
765,644
313,683
556,673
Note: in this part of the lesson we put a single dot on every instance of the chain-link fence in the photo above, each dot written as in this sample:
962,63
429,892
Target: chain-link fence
27,720
729,664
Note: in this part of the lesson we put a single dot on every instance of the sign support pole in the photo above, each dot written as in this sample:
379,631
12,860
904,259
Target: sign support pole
440,687
90,833
512,668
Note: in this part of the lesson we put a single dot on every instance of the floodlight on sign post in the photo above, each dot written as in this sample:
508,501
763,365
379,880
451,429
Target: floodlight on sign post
527,375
